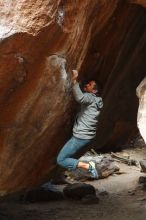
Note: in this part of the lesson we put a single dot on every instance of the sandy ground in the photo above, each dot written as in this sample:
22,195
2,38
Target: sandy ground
125,200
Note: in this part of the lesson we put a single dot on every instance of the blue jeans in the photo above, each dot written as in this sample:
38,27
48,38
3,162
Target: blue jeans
74,144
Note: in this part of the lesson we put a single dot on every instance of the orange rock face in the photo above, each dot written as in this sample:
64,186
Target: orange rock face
140,2
40,42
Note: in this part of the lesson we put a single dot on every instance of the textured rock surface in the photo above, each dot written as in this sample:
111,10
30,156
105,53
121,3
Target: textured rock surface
141,116
117,54
78,190
140,2
40,42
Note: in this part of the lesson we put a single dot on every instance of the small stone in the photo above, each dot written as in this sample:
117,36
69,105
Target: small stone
143,187
143,165
78,190
142,179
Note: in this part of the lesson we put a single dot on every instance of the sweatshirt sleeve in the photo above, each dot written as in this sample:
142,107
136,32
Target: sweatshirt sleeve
100,103
79,96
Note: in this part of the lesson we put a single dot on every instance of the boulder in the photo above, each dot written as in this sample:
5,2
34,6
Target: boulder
78,191
143,165
142,179
40,43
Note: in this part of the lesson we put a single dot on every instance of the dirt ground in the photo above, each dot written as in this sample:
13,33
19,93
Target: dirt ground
125,199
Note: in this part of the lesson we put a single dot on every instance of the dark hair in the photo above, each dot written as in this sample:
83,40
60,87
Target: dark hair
97,86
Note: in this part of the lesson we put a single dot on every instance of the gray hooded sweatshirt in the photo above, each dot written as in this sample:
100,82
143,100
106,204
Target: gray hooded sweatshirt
86,120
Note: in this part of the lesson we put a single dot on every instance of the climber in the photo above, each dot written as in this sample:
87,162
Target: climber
84,129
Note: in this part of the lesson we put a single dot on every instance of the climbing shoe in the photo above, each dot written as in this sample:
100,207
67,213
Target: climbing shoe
92,170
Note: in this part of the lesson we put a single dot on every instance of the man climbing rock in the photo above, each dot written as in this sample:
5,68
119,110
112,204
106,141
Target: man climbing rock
84,129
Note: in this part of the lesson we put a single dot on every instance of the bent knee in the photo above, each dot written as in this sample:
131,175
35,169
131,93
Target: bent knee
60,160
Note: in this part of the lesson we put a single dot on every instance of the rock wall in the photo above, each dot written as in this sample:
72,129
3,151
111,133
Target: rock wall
40,42
141,116
116,57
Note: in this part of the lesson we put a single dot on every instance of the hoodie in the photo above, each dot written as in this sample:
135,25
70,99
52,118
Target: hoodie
86,120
